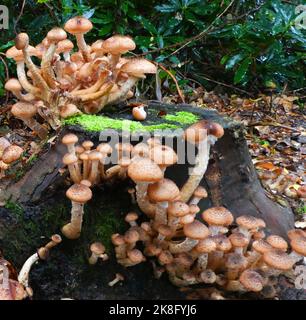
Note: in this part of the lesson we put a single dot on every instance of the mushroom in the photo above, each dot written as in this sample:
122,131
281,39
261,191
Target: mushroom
298,245
130,238
162,192
203,134
69,110
235,263
207,276
247,223
162,155
134,257
25,111
251,280
278,261
15,87
4,143
119,277
94,157
79,194
97,251
120,245
131,219
70,141
78,26
239,242
277,242
65,46
71,160
139,113
201,251
176,210
11,154
199,193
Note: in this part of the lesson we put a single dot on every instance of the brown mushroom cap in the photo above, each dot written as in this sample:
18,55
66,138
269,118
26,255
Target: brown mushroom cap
104,148
163,155
69,110
194,209
218,216
206,245
248,222
200,192
196,230
299,245
79,193
141,149
165,257
144,170
14,53
261,246
278,259
11,154
131,217
138,67
21,41
163,190
296,233
117,239
131,236
56,238
95,155
64,46
236,261
277,242
13,85
97,248
238,239
23,110
222,242
118,44
87,145
164,230
69,158
56,34
70,138
135,256
251,280
78,25
178,209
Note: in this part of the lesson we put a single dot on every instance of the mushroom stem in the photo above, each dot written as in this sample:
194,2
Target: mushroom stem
24,273
27,86
46,67
161,213
118,278
182,246
143,201
83,46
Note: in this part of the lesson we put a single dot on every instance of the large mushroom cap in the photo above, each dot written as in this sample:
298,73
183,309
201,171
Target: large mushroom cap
163,190
196,230
251,280
299,245
70,138
235,261
79,193
118,44
296,233
144,170
56,35
206,245
78,25
277,242
23,110
218,216
238,239
278,259
11,154
178,209
13,85
21,41
163,155
261,246
138,67
249,222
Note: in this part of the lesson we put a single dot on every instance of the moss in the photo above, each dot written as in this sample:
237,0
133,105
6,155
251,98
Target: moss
100,123
14,207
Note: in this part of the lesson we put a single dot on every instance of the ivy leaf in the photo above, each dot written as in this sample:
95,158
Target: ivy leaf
241,72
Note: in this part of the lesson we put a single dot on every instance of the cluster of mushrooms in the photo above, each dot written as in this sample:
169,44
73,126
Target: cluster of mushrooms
68,81
235,255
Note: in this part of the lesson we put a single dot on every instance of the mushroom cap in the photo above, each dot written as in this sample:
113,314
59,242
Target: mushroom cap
131,236
13,85
11,154
163,190
165,257
196,230
164,230
131,216
56,34
248,222
21,41
194,209
95,155
135,256
139,114
178,209
86,183
144,170
163,155
183,259
200,192
70,138
118,44
124,147
79,193
152,249
238,239
299,245
64,46
14,53
278,259
236,261
104,148
141,149
296,233
206,245
78,25
69,158
259,235
24,110
97,248
97,46
261,246
222,242
56,238
138,67
218,216
79,150
208,276
188,218
87,144
251,280
69,110
277,242
117,239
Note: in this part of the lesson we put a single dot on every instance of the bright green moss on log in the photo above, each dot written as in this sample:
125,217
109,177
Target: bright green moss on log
100,123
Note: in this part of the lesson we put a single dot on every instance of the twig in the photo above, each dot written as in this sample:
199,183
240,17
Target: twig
180,93
273,124
19,16
7,76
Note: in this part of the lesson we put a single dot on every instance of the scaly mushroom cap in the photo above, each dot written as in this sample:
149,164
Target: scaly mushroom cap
70,138
296,233
17,55
277,242
79,193
21,41
97,248
206,245
222,242
11,154
236,261
138,67
163,190
118,44
163,155
64,46
200,192
278,259
178,209
24,110
238,239
78,25
196,230
299,245
251,280
248,222
218,216
13,85
144,170
56,35
135,256
261,246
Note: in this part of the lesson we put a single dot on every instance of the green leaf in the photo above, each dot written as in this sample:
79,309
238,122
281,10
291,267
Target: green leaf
232,61
105,29
241,72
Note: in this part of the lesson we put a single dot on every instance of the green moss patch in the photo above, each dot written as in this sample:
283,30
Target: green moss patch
99,123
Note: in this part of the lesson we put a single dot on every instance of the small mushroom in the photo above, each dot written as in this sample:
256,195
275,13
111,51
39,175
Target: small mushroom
119,277
97,251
